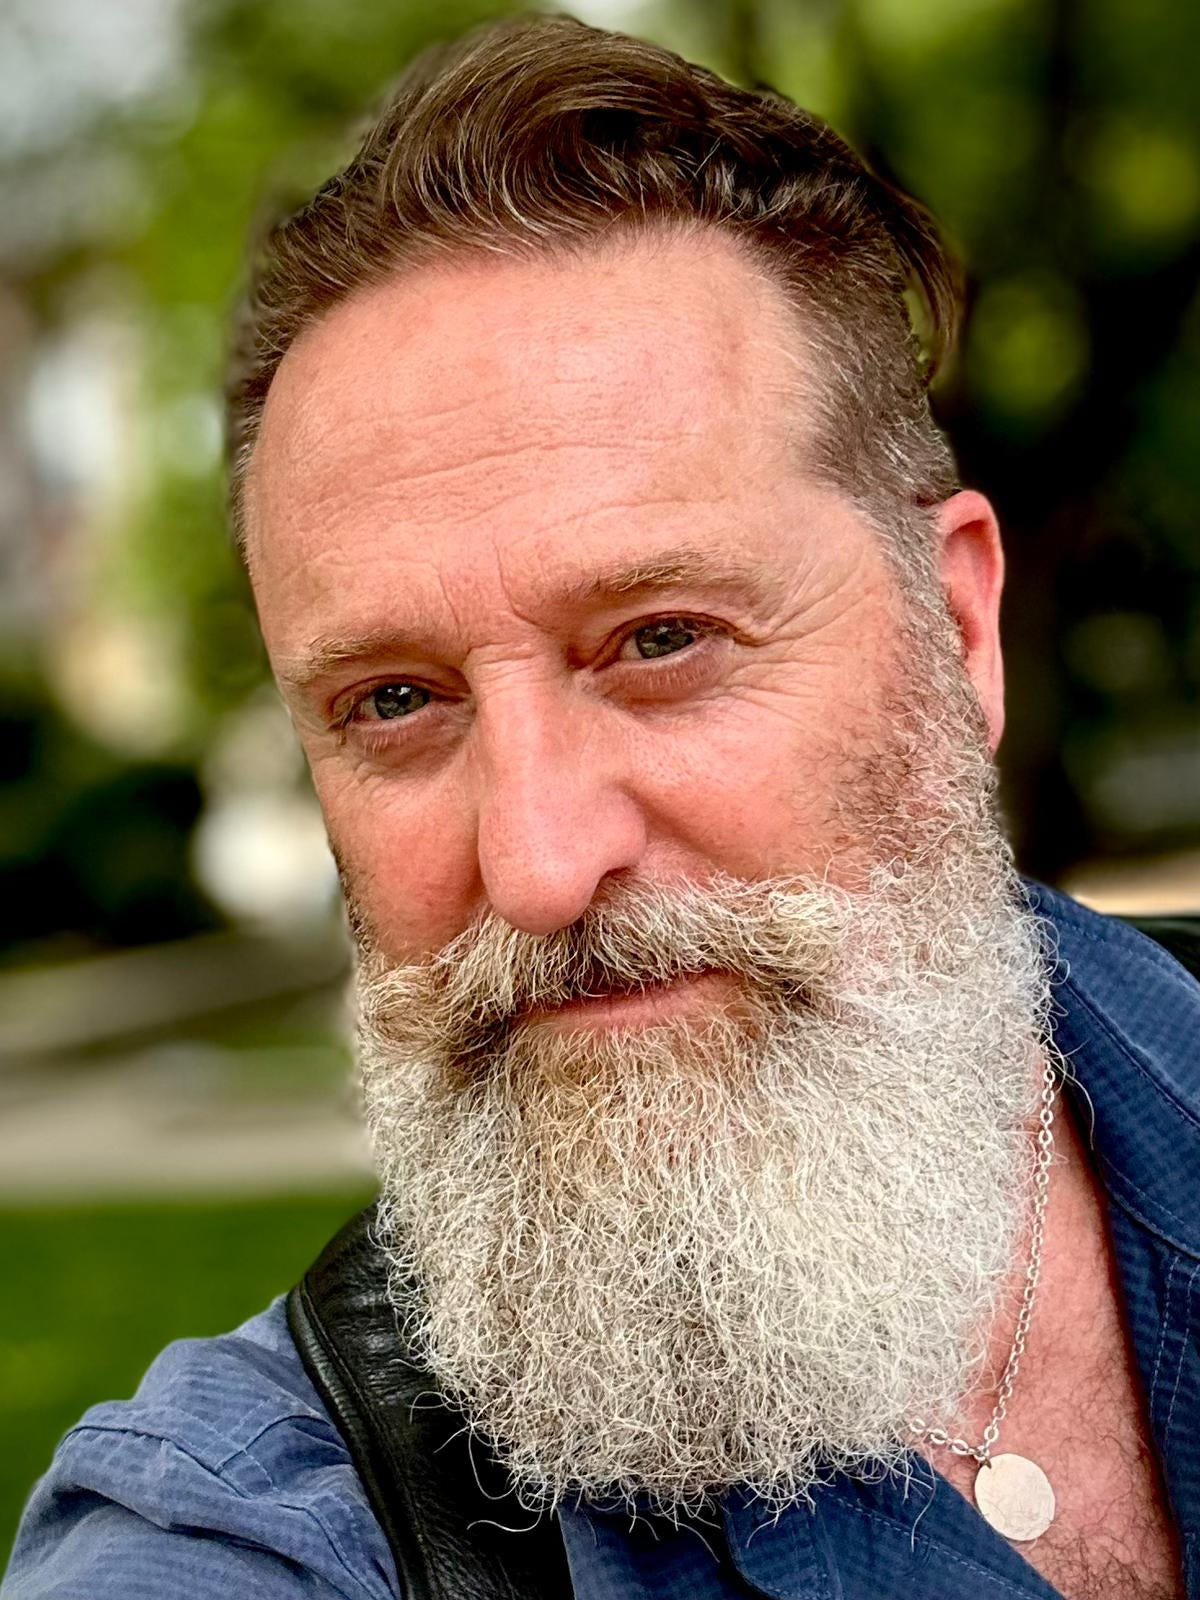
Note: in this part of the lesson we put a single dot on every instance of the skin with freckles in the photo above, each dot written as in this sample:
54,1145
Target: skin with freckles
449,463
552,599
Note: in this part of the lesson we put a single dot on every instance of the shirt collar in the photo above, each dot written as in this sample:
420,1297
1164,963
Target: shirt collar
1127,1022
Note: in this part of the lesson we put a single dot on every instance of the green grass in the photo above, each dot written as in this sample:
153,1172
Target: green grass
92,1293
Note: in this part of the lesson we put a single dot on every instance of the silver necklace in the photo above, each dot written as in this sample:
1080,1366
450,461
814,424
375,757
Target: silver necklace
1013,1493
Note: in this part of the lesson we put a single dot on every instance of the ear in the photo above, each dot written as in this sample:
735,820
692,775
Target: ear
971,566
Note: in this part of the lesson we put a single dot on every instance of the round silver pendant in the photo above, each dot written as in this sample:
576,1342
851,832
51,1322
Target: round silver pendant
1015,1497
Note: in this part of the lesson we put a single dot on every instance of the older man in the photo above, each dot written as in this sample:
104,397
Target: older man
644,650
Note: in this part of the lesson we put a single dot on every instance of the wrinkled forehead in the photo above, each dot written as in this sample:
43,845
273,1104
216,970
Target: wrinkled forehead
656,365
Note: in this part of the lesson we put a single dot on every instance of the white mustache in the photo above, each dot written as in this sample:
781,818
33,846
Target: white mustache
781,938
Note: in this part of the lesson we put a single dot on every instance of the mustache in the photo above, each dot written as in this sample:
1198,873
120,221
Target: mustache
781,936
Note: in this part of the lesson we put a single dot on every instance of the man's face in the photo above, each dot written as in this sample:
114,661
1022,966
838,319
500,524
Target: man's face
550,596
689,953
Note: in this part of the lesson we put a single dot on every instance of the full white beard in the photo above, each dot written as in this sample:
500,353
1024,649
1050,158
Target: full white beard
739,1251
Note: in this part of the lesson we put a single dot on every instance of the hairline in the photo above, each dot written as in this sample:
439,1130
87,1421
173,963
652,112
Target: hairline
808,327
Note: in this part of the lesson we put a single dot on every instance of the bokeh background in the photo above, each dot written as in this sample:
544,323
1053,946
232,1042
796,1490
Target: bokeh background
177,1134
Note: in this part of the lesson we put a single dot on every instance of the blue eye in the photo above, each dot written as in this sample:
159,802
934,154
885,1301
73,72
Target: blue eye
397,700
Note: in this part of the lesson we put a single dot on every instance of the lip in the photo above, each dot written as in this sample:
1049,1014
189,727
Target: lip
636,1008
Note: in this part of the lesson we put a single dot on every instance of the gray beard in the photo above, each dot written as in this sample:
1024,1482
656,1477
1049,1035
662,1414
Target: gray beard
742,1250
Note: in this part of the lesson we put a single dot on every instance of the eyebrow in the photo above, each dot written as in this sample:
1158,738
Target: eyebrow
656,574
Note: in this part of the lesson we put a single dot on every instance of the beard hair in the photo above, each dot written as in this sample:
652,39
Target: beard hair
740,1249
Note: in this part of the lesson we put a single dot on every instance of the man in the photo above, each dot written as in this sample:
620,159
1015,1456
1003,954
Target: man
644,650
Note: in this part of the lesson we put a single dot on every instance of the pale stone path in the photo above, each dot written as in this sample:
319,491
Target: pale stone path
153,1126
212,1067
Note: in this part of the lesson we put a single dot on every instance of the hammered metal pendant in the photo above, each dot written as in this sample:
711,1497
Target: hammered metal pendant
1015,1497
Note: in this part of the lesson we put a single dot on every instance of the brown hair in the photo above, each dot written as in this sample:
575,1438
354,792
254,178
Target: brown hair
539,134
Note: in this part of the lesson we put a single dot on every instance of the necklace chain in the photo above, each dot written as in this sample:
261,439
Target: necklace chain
1041,1188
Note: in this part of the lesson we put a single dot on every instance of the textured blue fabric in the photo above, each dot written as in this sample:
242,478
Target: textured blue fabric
223,1475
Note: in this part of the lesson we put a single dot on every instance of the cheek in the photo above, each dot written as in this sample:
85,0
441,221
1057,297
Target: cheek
786,776
757,793
405,857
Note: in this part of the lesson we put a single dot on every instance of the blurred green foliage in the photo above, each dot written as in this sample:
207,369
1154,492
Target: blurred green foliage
1058,141
93,845
93,1294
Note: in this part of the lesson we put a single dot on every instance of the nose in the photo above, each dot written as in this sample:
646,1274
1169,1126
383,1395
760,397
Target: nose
554,818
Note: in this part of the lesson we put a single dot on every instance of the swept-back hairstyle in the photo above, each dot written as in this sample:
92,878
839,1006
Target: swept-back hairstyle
540,135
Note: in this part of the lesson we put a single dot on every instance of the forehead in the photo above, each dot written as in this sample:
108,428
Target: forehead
526,408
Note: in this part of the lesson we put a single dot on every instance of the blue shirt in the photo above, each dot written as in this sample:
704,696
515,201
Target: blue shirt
224,1476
